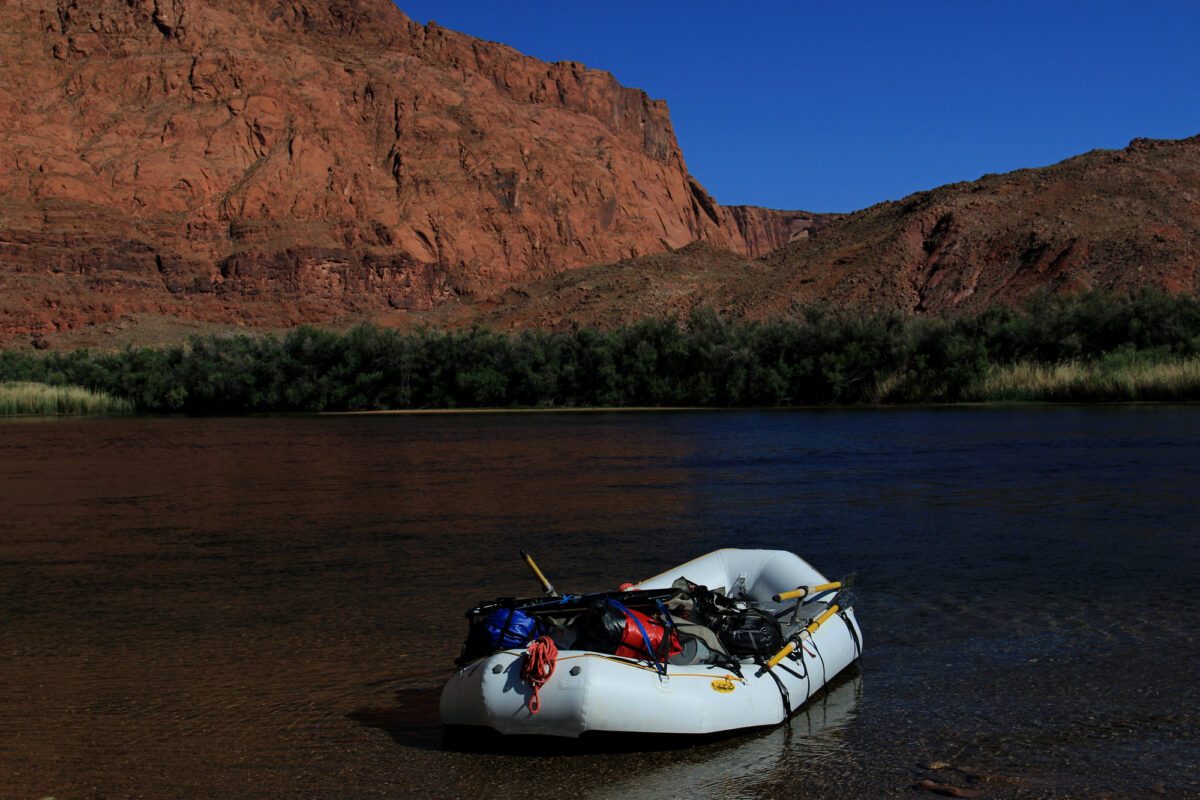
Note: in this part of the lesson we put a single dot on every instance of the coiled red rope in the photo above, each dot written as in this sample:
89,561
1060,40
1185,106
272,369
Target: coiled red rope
540,657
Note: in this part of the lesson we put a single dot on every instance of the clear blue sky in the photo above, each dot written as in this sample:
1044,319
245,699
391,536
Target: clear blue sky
835,106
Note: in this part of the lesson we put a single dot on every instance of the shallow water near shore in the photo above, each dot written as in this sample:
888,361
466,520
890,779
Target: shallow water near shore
268,607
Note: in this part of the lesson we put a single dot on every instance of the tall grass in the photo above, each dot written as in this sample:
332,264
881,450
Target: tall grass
1122,376
25,398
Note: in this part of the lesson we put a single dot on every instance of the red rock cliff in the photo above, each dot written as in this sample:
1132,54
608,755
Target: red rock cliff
275,162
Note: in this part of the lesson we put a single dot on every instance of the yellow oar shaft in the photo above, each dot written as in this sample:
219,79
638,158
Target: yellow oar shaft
819,621
549,587
804,634
804,591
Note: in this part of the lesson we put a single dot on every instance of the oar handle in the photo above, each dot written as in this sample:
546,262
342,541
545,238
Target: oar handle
804,591
549,587
806,633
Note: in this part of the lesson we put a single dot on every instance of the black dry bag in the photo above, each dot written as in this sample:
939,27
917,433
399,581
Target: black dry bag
752,632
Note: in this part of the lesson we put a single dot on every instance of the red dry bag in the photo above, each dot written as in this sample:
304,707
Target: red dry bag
633,644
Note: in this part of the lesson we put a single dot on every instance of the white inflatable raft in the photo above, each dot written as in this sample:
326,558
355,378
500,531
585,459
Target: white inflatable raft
600,691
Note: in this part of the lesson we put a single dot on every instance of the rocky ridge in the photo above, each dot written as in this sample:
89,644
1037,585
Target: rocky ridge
1110,220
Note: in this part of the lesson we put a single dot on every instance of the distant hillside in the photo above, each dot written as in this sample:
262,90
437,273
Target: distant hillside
1107,219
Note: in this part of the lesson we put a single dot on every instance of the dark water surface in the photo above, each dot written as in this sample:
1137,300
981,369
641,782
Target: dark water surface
200,608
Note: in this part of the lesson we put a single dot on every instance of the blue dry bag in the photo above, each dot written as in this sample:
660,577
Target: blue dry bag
509,627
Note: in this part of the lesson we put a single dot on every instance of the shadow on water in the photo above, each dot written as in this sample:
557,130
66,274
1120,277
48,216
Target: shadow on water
412,722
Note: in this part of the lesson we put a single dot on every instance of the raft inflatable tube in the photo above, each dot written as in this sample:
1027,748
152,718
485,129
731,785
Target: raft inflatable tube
588,690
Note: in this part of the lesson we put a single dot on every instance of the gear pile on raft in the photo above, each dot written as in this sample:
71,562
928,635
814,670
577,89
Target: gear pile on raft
734,639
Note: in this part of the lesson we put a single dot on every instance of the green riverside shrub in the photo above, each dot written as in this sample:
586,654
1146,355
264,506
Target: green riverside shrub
1112,342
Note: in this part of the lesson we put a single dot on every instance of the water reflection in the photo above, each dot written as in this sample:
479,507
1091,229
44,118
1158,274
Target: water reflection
629,766
744,767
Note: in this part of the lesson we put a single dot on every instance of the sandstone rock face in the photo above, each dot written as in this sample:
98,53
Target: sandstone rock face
275,162
284,161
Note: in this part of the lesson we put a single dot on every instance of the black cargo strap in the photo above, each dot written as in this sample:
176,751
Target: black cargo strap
783,692
853,633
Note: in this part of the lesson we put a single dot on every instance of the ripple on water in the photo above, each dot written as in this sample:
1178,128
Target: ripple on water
217,608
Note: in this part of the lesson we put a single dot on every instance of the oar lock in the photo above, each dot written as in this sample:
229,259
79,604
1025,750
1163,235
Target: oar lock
797,639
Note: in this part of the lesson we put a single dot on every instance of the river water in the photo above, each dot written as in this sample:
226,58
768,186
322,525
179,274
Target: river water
267,607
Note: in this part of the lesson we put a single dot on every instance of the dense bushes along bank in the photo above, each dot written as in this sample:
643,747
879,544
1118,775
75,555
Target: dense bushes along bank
1083,347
